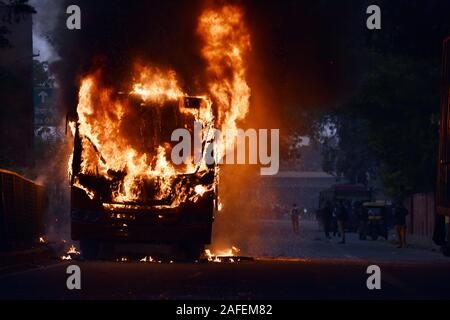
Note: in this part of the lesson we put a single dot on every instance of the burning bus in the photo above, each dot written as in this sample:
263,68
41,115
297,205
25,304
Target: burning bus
123,186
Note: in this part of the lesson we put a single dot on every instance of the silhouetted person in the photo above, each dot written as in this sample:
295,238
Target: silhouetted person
333,224
400,213
294,216
342,218
327,216
363,218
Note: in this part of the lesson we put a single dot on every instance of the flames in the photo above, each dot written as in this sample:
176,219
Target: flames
222,255
73,251
147,259
226,46
154,84
109,124
103,121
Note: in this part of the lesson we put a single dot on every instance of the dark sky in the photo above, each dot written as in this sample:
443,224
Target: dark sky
308,49
306,54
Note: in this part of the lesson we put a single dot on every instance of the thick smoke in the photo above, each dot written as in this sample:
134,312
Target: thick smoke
116,34
291,42
44,23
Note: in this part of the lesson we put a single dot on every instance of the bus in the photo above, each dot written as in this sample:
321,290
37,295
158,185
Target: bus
441,234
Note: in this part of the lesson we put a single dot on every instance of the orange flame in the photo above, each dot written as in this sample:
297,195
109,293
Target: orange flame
154,84
101,118
219,255
104,116
227,43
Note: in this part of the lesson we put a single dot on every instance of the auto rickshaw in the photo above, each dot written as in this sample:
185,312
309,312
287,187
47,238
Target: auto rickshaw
376,225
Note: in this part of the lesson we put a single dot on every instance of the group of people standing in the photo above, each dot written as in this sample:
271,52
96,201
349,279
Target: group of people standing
334,218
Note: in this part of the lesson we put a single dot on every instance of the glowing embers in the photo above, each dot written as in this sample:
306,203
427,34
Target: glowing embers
123,206
147,259
122,216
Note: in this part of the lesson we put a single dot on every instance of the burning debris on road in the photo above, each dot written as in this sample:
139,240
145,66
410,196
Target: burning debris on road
71,253
231,255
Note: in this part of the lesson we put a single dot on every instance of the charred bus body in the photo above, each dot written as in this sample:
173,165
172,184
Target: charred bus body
442,230
181,216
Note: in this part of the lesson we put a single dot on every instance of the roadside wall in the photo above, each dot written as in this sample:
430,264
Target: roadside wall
421,218
22,205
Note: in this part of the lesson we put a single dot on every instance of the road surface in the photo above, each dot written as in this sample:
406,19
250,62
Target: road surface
304,266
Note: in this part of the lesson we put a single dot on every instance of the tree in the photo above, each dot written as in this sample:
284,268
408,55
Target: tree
15,9
344,149
389,126
391,121
400,102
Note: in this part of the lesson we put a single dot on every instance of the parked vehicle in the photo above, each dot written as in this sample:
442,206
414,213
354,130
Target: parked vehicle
377,222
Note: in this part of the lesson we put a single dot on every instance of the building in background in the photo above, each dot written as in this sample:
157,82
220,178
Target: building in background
282,190
16,90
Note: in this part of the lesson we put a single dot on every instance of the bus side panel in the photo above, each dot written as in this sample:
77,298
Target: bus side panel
443,178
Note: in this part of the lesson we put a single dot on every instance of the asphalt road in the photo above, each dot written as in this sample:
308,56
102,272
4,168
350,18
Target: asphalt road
320,269
268,279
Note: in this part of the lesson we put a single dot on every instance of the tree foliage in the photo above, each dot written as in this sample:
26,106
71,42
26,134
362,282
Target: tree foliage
389,127
344,149
399,102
